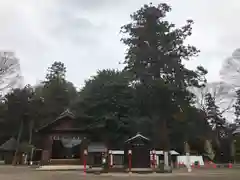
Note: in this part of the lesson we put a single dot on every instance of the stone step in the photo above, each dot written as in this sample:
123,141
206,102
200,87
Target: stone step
60,167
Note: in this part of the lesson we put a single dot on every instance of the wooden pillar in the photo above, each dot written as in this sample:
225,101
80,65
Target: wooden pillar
47,150
50,145
45,157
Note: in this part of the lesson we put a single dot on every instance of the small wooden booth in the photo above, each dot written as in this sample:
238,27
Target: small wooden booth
138,149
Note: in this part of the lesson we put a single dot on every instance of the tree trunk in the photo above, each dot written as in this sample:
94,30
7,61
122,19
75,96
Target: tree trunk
187,151
18,143
233,150
31,124
165,137
30,132
165,143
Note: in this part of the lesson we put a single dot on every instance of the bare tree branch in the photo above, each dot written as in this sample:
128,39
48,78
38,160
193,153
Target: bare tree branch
220,91
230,73
230,70
10,72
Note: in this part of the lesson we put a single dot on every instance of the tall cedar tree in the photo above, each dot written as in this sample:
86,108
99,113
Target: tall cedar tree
217,122
57,92
154,56
213,113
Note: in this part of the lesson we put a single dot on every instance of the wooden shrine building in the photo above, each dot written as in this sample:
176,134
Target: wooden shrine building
63,142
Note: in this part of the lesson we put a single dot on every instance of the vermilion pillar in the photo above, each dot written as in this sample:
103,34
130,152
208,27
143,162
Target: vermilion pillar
85,160
110,158
130,160
154,158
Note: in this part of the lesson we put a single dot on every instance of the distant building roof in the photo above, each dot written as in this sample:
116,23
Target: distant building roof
237,131
9,145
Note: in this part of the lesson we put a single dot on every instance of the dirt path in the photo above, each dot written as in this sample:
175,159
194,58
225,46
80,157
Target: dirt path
25,173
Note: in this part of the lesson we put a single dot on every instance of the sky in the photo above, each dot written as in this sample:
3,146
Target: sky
84,34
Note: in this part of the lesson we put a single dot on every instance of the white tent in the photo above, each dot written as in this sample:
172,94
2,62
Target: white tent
172,152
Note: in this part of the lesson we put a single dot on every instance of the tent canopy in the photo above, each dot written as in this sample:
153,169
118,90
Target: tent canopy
172,152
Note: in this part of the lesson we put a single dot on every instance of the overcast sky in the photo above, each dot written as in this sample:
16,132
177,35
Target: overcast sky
84,34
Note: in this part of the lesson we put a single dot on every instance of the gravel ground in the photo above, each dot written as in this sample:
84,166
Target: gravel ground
25,173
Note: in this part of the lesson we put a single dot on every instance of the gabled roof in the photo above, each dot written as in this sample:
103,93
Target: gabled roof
66,113
9,145
138,135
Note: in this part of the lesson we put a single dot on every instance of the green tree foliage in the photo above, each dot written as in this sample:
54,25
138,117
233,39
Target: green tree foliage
221,134
57,92
56,72
156,48
106,100
154,57
213,113
18,109
18,115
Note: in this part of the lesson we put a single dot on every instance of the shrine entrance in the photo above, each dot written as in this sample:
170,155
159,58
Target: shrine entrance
140,146
66,148
62,143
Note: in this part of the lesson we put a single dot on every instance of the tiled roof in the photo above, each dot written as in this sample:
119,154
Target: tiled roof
66,113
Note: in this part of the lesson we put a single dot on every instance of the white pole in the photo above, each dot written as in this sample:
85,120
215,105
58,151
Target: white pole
111,160
166,164
188,163
31,156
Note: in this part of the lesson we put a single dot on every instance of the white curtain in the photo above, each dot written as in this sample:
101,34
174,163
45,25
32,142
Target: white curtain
69,143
